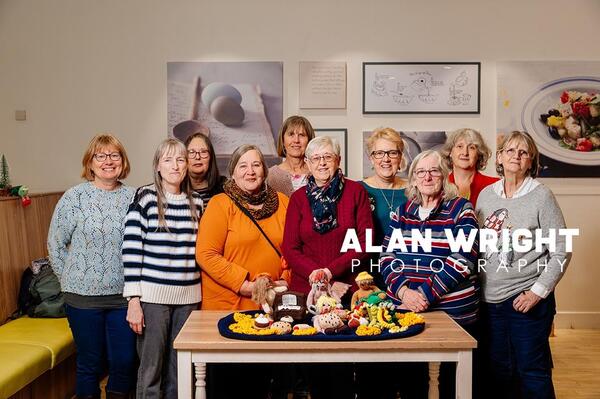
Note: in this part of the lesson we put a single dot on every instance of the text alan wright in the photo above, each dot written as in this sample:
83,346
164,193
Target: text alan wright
484,241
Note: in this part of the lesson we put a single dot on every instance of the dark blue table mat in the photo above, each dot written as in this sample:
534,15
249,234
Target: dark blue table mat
348,335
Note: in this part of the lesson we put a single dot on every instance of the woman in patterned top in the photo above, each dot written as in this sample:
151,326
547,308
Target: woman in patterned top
84,245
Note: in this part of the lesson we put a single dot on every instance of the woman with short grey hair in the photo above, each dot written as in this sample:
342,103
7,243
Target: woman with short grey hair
436,278
321,142
448,190
318,217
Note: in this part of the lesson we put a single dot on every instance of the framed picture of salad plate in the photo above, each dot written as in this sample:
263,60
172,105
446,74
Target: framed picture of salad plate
341,135
421,88
558,104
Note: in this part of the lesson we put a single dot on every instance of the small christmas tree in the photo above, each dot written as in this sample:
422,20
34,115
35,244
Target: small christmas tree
4,177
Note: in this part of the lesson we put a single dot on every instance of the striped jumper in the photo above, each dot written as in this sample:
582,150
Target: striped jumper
447,279
159,263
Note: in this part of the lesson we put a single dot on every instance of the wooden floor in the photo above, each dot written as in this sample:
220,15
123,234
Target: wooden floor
576,355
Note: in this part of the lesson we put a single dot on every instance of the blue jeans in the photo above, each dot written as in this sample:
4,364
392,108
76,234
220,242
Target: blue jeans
103,336
517,350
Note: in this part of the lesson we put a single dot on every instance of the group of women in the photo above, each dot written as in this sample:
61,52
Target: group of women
134,263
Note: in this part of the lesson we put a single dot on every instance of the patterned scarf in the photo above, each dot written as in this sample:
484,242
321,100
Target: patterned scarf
267,198
323,202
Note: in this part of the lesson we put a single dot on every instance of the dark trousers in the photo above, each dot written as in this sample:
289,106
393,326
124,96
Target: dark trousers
102,336
157,375
235,381
517,349
330,380
411,380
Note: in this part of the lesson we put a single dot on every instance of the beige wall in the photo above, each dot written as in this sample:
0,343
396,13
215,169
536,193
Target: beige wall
80,67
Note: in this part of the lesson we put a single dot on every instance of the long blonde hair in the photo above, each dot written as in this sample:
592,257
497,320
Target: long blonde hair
171,146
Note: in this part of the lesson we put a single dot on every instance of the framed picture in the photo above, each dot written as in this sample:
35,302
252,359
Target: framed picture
234,102
322,85
421,88
557,103
414,143
341,135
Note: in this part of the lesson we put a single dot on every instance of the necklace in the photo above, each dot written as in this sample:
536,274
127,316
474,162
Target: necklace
390,204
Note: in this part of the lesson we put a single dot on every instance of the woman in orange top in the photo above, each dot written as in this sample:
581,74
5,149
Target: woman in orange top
232,251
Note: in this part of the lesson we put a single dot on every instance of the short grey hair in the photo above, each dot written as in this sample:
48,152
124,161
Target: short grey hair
241,150
319,142
471,136
449,189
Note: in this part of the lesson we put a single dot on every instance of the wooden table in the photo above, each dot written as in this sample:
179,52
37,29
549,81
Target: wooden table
199,342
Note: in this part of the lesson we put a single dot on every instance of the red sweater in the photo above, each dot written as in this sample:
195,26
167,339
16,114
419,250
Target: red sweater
480,181
306,250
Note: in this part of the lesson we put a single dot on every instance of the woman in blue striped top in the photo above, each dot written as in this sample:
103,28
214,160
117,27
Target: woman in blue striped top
162,280
435,278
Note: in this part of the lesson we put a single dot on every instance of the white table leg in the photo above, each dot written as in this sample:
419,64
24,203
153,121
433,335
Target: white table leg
434,382
200,371
464,375
184,374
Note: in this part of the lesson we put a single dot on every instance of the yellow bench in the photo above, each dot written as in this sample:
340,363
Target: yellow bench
29,348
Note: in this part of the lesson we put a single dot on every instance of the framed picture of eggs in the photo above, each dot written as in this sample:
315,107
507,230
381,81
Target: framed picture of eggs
421,88
341,135
234,103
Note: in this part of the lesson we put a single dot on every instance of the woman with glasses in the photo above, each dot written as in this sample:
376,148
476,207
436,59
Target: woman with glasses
466,154
518,285
436,278
162,280
202,167
318,217
386,195
292,173
84,247
385,188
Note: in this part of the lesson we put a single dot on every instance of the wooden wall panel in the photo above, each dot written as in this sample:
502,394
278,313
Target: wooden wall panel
23,234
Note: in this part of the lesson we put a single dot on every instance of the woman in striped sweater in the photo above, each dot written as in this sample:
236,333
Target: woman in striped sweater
435,278
162,280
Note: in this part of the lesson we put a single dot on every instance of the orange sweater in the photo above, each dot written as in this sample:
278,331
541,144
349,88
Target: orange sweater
231,249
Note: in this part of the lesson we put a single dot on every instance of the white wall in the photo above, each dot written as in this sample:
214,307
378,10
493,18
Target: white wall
80,67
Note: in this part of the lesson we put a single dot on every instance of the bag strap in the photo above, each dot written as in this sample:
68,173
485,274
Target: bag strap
247,213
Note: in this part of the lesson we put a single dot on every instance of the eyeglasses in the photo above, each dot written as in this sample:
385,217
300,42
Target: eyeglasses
511,152
101,157
193,154
393,154
421,173
328,158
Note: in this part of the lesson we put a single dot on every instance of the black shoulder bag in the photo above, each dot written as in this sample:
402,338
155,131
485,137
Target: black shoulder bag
247,213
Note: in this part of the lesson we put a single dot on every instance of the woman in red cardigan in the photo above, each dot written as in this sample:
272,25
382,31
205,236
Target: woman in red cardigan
466,153
317,220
